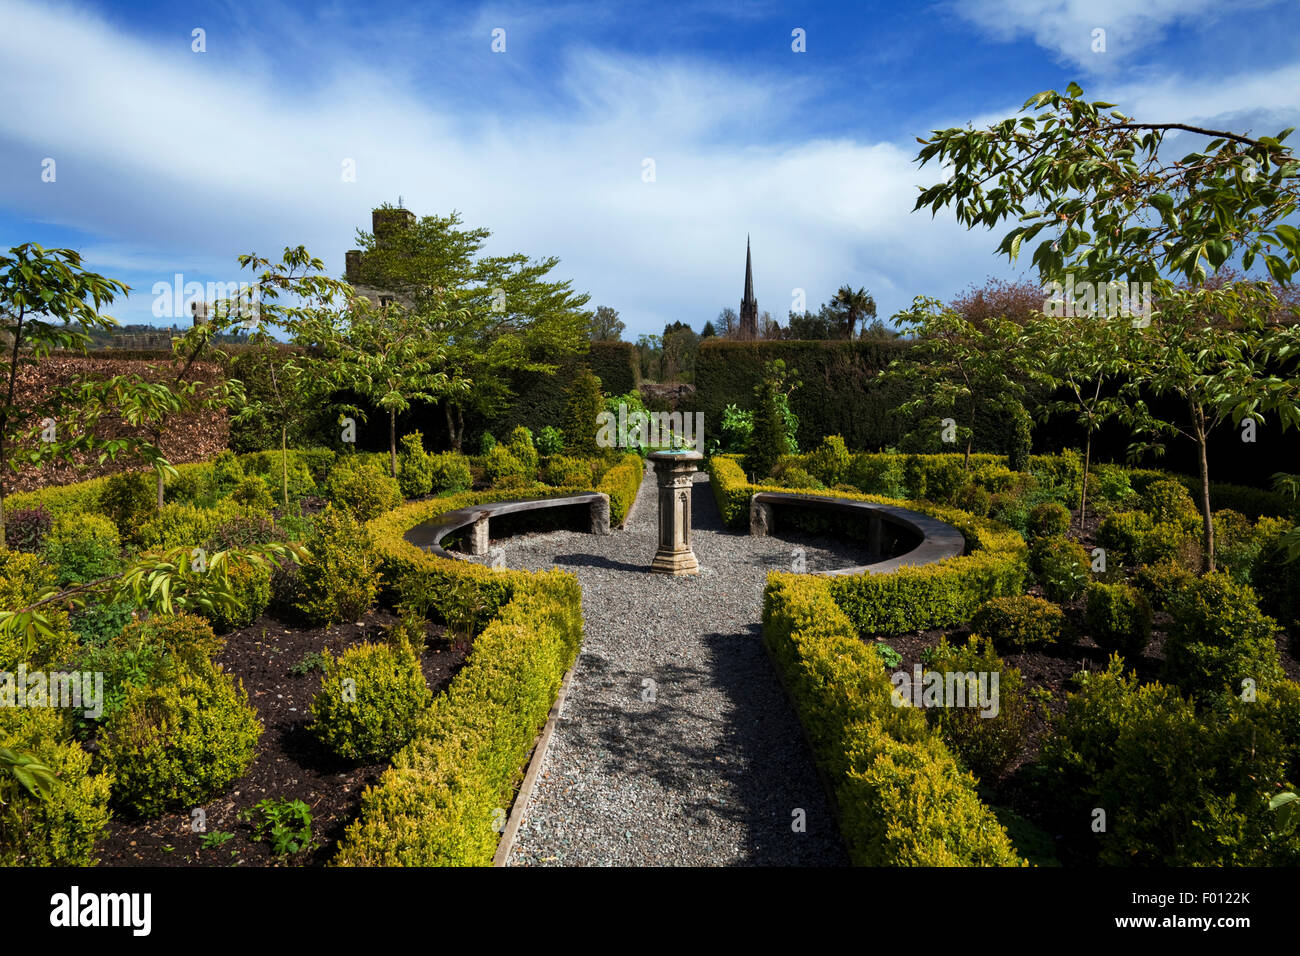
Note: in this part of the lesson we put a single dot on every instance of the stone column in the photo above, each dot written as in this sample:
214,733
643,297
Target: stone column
478,537
673,471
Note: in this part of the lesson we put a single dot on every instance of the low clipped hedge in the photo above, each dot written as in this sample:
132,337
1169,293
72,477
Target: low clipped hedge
942,594
621,483
442,800
901,798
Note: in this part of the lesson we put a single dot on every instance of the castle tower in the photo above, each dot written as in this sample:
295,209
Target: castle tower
748,304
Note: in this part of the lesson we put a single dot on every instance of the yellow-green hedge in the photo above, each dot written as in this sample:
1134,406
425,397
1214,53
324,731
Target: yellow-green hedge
901,798
621,483
912,598
446,795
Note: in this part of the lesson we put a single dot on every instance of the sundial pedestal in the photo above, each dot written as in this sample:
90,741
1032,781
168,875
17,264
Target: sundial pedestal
673,470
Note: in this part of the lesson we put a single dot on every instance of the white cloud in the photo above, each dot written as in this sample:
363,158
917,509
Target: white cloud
1066,26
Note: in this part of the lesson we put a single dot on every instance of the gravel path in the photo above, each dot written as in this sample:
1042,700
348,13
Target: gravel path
676,745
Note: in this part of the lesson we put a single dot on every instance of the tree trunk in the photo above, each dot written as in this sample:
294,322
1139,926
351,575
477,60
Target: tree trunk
1083,491
161,486
284,463
392,441
1207,539
460,429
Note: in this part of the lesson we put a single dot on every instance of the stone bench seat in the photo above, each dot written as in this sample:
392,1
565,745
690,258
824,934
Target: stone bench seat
938,540
430,535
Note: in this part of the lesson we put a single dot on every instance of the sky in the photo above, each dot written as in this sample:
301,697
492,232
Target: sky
120,138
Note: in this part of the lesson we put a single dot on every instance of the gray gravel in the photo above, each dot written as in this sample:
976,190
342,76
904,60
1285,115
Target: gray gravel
676,745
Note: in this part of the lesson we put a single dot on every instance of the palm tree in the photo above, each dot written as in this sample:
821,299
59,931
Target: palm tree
855,306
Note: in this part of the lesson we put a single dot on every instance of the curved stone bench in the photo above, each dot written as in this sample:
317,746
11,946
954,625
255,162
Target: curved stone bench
939,540
430,535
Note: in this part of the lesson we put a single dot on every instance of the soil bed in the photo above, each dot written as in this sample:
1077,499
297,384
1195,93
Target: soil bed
289,763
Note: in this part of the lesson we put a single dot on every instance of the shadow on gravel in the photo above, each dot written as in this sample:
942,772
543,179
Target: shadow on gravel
595,561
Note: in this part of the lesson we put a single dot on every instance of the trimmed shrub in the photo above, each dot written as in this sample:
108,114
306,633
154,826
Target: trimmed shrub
1161,581
550,441
987,734
414,470
1118,618
562,472
180,742
621,483
60,830
449,472
878,475
27,528
902,800
365,492
1180,788
1021,622
369,701
180,525
340,579
253,494
974,499
1168,500
251,586
23,579
128,499
1238,543
499,465
227,473
520,444
1122,535
792,476
829,462
1048,520
83,549
1219,637
1061,567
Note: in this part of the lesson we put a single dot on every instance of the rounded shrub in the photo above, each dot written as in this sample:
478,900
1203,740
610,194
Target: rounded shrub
182,525
1168,499
253,494
561,471
1061,567
449,472
364,491
829,462
83,548
414,472
520,444
128,499
1118,617
61,829
1021,622
1048,520
987,735
340,579
499,465
486,443
250,585
1122,533
243,531
794,476
186,638
24,579
1218,637
179,742
369,702
974,499
550,440
227,473
1161,581
1109,484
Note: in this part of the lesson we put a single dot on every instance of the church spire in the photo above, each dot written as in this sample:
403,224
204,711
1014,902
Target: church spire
748,305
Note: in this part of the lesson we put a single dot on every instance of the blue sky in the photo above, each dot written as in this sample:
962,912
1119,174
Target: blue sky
170,161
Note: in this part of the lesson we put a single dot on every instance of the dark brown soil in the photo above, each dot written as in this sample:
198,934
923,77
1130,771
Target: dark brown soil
289,763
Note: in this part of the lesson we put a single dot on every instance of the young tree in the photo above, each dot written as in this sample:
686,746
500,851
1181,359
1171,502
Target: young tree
1090,359
774,424
43,292
708,331
1219,351
500,316
957,366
